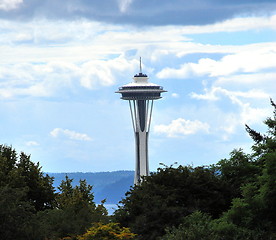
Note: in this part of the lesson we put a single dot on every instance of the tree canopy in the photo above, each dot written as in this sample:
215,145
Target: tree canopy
168,195
252,215
24,191
233,199
31,209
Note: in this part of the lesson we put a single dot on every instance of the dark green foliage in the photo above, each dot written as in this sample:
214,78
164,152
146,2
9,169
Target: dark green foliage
256,136
24,191
40,189
165,197
193,227
29,207
257,203
201,226
15,213
75,213
21,172
237,171
252,215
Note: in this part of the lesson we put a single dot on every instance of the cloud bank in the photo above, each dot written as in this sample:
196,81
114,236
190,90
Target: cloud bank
136,12
250,58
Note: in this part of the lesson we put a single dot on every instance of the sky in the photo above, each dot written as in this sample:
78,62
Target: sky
62,61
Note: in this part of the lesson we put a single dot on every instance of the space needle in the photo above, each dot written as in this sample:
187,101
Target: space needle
140,93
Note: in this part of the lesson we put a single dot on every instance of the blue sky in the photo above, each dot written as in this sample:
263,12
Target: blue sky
62,61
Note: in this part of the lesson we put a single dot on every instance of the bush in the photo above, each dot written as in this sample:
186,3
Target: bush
108,231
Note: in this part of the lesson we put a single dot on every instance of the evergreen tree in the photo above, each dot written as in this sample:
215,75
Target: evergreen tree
15,213
165,197
76,211
24,191
256,209
252,215
237,171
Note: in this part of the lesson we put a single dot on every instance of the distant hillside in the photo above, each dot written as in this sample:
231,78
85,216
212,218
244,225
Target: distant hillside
111,186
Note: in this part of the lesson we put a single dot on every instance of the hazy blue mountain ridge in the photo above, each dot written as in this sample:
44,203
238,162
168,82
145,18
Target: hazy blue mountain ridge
111,186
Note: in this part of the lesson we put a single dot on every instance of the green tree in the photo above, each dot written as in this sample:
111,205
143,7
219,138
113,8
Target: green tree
15,213
30,208
21,172
200,225
41,192
237,171
254,212
193,227
78,195
76,211
168,195
24,191
252,215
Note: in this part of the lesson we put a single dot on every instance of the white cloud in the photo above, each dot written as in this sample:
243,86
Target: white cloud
32,143
70,134
181,127
175,95
252,115
215,92
38,80
105,73
8,5
57,77
252,58
245,112
252,79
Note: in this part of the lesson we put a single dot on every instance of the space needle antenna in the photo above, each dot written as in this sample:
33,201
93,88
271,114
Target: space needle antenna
140,65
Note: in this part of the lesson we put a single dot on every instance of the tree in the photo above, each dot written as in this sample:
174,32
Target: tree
168,195
78,195
200,225
41,192
257,203
193,227
30,208
21,172
15,213
76,211
24,191
252,215
237,171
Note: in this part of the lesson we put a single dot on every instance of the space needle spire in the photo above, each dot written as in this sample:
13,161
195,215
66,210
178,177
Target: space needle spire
140,65
140,93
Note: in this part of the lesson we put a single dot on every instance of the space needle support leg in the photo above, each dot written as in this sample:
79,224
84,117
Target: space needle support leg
151,107
135,115
136,127
132,117
147,116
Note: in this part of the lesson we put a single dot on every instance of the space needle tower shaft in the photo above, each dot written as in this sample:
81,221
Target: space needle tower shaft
141,94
